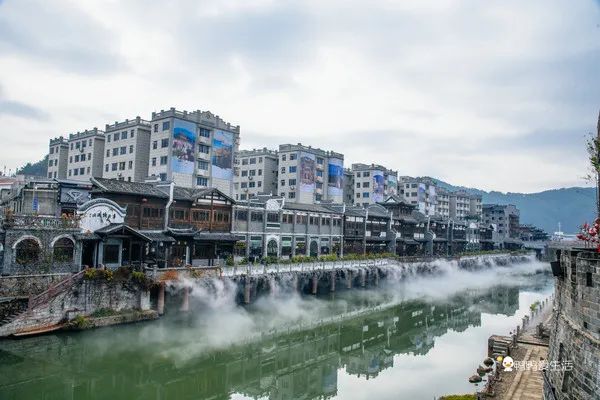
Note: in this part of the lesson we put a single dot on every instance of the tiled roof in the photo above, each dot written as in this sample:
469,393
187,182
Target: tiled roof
309,208
103,185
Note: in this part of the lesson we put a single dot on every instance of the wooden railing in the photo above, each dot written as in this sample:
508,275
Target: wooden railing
38,221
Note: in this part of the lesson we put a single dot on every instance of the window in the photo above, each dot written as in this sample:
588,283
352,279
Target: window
244,161
244,185
106,168
365,194
272,217
319,173
287,218
200,215
131,149
82,171
108,138
130,164
115,151
256,217
107,153
242,197
358,195
200,181
116,136
204,132
155,127
123,135
259,183
202,164
259,159
252,172
241,215
588,279
366,174
77,145
292,182
319,160
166,125
123,150
283,170
122,166
366,184
132,133
252,184
253,160
111,253
163,176
164,143
282,183
319,185
69,172
155,145
259,172
77,158
51,150
154,161
358,185
283,157
292,169
71,146
63,250
244,173
27,252
292,195
163,160
293,156
202,148
70,159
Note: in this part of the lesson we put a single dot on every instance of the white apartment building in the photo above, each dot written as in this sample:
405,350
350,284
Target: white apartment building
127,149
443,202
310,175
58,158
255,173
193,149
86,155
372,183
420,192
348,187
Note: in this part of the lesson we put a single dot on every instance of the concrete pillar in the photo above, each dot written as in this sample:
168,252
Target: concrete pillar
272,286
376,277
247,291
315,284
295,282
349,279
185,304
160,304
144,300
332,281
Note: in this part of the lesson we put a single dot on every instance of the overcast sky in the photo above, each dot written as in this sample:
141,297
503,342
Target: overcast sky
490,94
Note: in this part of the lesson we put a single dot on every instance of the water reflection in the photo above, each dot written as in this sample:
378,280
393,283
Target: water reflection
116,363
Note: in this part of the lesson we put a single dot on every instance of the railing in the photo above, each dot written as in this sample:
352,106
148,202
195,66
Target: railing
37,221
54,290
251,270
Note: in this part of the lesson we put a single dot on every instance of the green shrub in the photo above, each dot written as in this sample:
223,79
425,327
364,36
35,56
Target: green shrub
103,312
80,322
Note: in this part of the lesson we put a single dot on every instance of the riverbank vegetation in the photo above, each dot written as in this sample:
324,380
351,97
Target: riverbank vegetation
459,397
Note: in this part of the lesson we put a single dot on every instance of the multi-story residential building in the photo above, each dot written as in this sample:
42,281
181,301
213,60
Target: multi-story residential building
475,206
420,192
460,205
309,175
372,183
255,173
273,226
193,149
442,207
86,155
505,219
348,187
127,149
58,158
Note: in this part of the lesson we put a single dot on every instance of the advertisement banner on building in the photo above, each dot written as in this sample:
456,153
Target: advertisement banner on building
335,185
378,186
421,193
222,156
392,184
307,172
184,141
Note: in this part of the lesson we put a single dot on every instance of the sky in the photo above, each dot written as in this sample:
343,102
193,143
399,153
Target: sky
498,95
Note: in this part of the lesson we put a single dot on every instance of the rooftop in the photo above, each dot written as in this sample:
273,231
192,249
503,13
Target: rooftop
198,116
309,149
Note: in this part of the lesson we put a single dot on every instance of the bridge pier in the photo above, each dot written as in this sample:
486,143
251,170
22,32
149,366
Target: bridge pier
185,304
315,284
160,303
363,278
376,277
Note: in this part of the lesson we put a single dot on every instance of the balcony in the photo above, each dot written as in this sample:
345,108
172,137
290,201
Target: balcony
43,222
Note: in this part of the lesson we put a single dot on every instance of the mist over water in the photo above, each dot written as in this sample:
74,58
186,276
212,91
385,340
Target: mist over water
291,345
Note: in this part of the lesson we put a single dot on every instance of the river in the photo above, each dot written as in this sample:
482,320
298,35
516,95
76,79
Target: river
415,338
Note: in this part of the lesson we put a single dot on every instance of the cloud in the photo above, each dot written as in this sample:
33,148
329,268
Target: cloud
424,87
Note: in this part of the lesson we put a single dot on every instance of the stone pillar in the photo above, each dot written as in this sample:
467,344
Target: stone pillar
144,300
363,278
332,282
376,277
349,279
160,306
315,284
295,282
185,304
247,291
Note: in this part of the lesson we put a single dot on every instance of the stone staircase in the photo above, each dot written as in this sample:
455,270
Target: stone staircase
11,308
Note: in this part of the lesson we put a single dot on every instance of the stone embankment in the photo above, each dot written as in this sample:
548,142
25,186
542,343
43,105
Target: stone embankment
87,292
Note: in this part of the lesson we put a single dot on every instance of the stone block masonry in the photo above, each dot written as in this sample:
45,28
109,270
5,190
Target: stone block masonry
575,335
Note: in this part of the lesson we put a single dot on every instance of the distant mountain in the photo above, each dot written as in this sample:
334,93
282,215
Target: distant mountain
570,206
39,168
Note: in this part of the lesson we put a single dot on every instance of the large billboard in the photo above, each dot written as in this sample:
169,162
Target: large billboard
307,172
392,184
184,142
222,155
378,186
335,184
